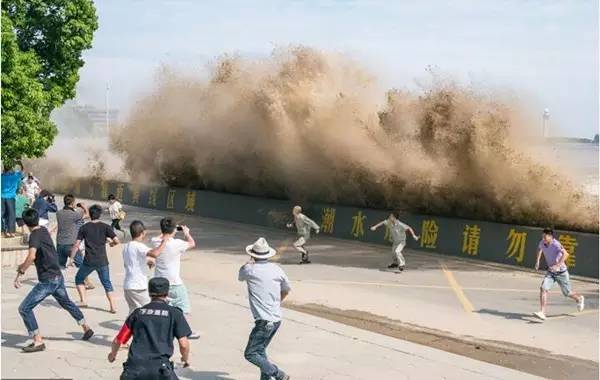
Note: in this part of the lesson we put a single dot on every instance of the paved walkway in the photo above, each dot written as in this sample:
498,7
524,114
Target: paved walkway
462,297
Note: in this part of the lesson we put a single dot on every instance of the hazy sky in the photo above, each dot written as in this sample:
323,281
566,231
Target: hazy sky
544,51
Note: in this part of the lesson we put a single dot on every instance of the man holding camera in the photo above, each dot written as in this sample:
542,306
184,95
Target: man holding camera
168,261
44,204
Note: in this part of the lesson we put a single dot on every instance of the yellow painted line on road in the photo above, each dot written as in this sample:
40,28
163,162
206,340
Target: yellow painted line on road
466,304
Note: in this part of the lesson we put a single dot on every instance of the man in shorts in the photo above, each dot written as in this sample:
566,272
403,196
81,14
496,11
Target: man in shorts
398,231
304,225
95,234
137,257
556,256
168,262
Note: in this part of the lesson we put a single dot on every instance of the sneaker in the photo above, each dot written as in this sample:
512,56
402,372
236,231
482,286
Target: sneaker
392,265
33,348
88,334
400,269
540,315
581,303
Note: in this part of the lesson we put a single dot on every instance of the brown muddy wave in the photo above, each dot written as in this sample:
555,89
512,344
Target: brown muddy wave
310,126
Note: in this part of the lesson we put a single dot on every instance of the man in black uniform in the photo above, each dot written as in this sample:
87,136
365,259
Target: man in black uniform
153,328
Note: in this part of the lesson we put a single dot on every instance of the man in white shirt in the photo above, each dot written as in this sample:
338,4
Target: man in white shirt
115,209
168,262
31,186
137,257
268,286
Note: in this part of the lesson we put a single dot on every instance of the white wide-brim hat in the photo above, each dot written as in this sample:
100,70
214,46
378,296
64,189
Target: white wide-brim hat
260,249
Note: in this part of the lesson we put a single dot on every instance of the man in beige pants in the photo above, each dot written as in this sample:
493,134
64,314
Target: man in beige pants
398,231
304,225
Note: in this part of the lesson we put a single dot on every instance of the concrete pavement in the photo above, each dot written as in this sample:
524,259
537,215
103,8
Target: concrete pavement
459,298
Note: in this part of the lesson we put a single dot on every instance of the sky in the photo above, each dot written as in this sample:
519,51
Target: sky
545,52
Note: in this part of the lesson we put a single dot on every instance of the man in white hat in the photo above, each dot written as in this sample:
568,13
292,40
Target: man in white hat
268,286
304,225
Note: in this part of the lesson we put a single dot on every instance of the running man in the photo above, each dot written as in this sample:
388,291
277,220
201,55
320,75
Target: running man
50,282
115,209
398,232
95,234
556,256
304,225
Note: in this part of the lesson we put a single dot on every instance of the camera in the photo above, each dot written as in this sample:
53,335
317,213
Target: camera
179,228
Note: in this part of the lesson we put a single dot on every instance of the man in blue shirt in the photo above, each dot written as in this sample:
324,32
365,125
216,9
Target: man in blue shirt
11,179
44,204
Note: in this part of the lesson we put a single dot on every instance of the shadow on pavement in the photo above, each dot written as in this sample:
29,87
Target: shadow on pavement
18,341
114,324
506,314
203,375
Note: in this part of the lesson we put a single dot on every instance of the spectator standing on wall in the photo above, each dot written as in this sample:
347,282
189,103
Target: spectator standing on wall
11,180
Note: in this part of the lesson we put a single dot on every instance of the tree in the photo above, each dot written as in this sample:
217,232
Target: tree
42,43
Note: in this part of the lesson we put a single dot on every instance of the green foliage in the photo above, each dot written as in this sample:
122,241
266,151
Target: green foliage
42,43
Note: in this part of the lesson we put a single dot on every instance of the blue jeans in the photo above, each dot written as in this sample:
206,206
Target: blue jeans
64,250
103,274
43,289
9,219
256,353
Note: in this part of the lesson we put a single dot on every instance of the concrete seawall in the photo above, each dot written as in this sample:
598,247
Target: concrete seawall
495,242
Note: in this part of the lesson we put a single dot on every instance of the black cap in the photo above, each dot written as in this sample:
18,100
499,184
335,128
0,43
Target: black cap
158,286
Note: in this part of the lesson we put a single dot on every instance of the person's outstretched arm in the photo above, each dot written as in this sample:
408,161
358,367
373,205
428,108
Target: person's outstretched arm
376,226
412,232
312,224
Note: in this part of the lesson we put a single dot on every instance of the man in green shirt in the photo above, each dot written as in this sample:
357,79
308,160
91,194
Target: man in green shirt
21,204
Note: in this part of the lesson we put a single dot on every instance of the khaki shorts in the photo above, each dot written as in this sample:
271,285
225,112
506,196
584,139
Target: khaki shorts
136,298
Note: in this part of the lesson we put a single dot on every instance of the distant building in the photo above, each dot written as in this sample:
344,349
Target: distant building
596,139
98,116
77,120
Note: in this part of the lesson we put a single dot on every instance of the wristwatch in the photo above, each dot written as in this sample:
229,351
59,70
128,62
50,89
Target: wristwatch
19,271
